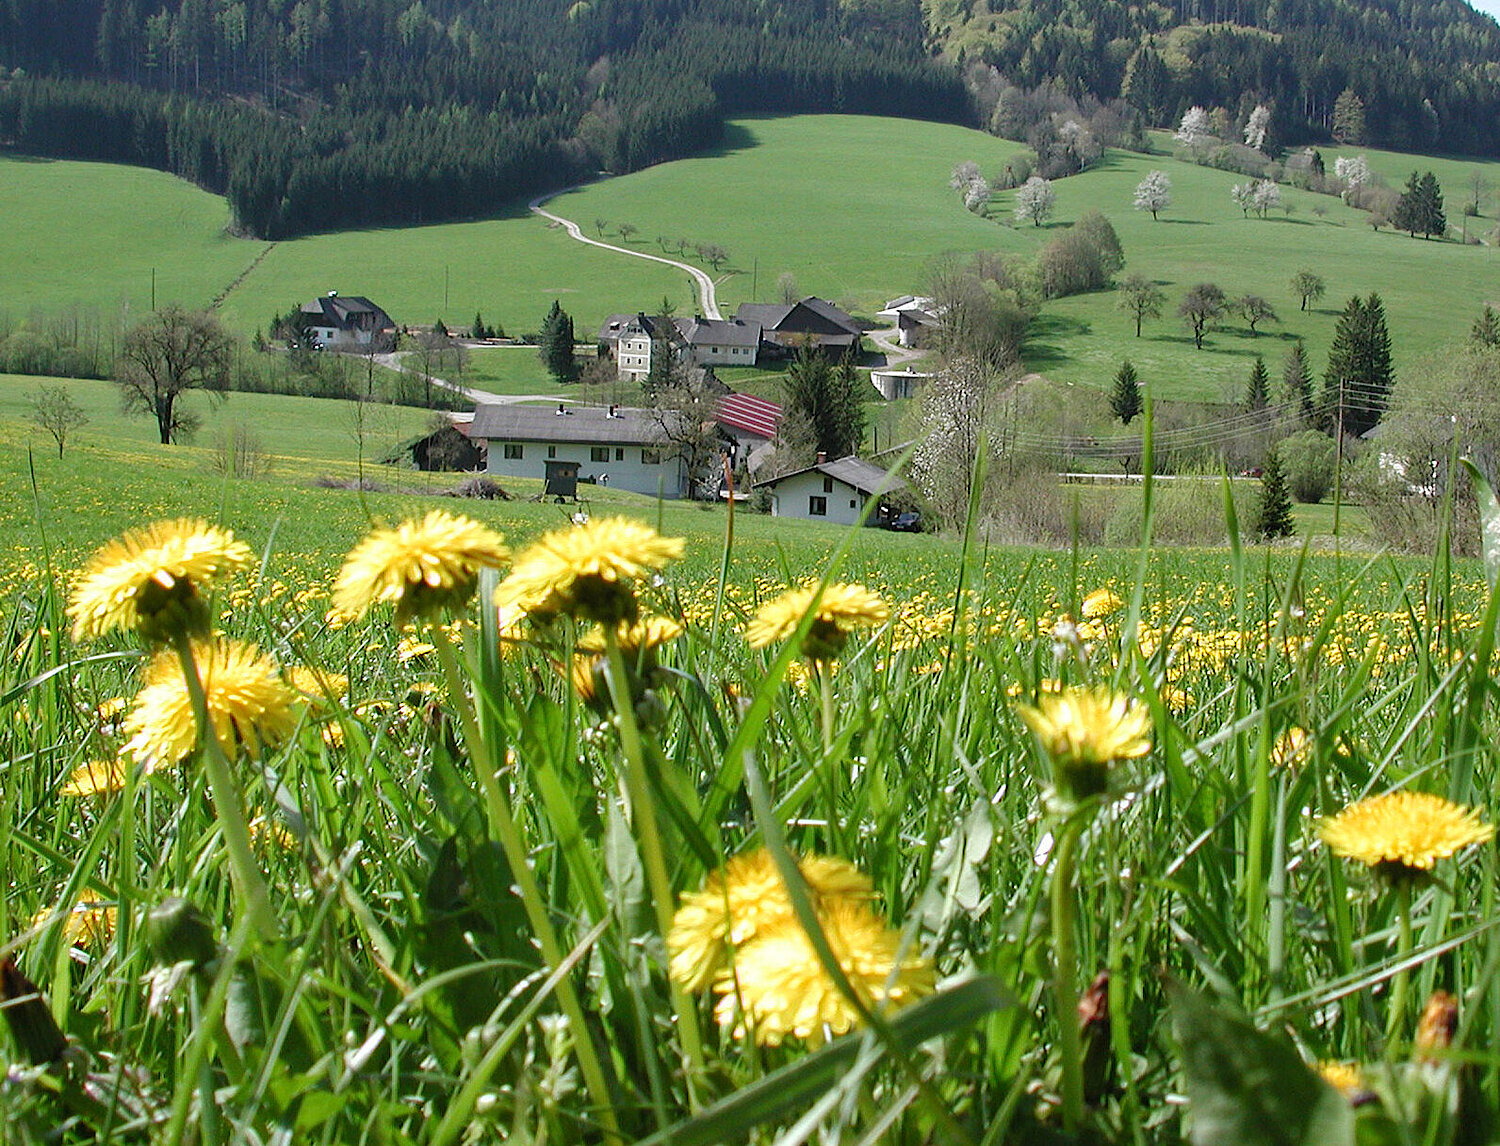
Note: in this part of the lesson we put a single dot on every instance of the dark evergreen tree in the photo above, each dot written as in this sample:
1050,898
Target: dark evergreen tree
1486,328
555,344
1258,389
1125,398
666,371
1297,381
1408,213
1357,382
479,330
1431,219
1273,516
830,400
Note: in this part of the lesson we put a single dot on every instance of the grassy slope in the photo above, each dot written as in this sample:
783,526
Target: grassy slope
854,207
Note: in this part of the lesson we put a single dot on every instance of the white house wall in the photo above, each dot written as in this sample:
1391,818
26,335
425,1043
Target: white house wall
624,465
791,498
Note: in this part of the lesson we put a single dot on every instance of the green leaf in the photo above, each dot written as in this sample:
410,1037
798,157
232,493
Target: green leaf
730,1119
1489,517
1248,1087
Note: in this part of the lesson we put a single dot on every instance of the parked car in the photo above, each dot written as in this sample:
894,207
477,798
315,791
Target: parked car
910,522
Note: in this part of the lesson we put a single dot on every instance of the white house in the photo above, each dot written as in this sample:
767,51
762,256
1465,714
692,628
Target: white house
631,338
834,491
720,342
340,322
617,446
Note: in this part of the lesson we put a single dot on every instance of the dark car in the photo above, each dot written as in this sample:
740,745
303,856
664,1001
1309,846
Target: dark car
905,523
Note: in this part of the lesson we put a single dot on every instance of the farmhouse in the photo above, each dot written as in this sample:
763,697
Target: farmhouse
720,342
338,322
834,491
616,445
750,424
632,339
813,322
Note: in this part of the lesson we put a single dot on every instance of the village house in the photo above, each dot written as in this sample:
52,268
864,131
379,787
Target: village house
632,339
835,491
915,318
749,425
617,446
813,322
445,448
340,322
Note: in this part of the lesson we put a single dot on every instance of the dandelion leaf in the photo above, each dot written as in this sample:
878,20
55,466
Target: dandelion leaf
1249,1087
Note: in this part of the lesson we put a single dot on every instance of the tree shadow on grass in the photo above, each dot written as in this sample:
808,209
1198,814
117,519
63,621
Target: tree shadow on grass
735,137
1186,222
1041,347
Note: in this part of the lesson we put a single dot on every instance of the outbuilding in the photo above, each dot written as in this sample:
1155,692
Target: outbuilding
835,491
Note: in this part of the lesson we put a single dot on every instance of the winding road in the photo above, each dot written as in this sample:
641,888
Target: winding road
707,298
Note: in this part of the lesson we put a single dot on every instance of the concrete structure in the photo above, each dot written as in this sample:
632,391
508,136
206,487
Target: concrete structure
834,491
902,383
914,317
336,322
617,446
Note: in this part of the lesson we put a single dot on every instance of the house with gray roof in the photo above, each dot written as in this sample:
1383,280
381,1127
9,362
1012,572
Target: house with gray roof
813,322
347,322
618,446
835,491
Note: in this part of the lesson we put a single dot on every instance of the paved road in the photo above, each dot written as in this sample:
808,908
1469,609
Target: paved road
707,299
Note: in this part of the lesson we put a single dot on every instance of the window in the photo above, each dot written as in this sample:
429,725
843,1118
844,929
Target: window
599,454
619,453
827,485
513,452
552,451
650,457
817,506
852,505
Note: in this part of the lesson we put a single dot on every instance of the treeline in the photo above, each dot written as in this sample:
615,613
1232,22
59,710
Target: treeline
1424,69
327,114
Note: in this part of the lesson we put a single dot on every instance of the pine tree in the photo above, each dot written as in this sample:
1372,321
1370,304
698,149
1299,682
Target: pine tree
1258,390
1358,379
1125,400
479,329
1430,217
1486,328
555,344
1297,381
1274,515
830,398
1408,213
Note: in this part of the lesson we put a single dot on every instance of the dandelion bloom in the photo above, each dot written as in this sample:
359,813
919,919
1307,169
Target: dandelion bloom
95,778
317,685
780,988
840,610
421,567
1083,731
90,922
587,570
248,703
1403,833
1100,604
638,644
1292,748
1344,1077
741,900
149,580
646,633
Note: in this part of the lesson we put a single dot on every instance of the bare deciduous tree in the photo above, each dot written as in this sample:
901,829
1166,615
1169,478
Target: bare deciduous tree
53,409
171,352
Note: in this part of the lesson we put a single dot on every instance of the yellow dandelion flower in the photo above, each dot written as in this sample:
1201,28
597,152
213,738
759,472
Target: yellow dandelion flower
421,567
271,833
95,778
112,709
840,610
741,900
587,570
1291,748
1403,834
1083,731
247,704
150,579
645,633
316,684
90,922
1344,1077
1099,604
779,988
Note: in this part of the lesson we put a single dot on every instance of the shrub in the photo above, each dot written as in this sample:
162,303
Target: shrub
1189,511
1308,460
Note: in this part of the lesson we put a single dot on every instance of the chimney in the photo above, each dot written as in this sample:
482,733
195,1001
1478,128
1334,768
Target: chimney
822,457
333,294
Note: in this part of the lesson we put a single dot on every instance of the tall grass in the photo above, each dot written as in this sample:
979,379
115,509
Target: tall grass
411,992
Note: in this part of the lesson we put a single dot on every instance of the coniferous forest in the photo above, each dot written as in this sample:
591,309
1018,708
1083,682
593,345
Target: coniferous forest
325,114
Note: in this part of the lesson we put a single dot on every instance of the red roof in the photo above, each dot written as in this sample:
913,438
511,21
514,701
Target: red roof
753,415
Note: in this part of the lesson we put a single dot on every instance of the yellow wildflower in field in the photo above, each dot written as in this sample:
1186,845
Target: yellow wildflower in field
779,988
1403,834
840,610
741,900
247,703
587,571
646,633
90,922
1083,731
95,778
150,580
1292,748
316,684
1099,604
421,567
1344,1077
638,644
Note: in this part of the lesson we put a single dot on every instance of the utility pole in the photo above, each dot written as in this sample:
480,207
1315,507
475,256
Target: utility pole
1338,465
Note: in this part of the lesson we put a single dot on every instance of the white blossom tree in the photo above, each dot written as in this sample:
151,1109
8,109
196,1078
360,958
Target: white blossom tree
1034,200
1194,131
1265,196
1353,171
1153,193
1243,195
976,195
1257,127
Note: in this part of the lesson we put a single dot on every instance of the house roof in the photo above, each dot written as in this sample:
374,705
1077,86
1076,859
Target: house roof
346,312
904,303
810,316
588,425
852,471
753,415
700,331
